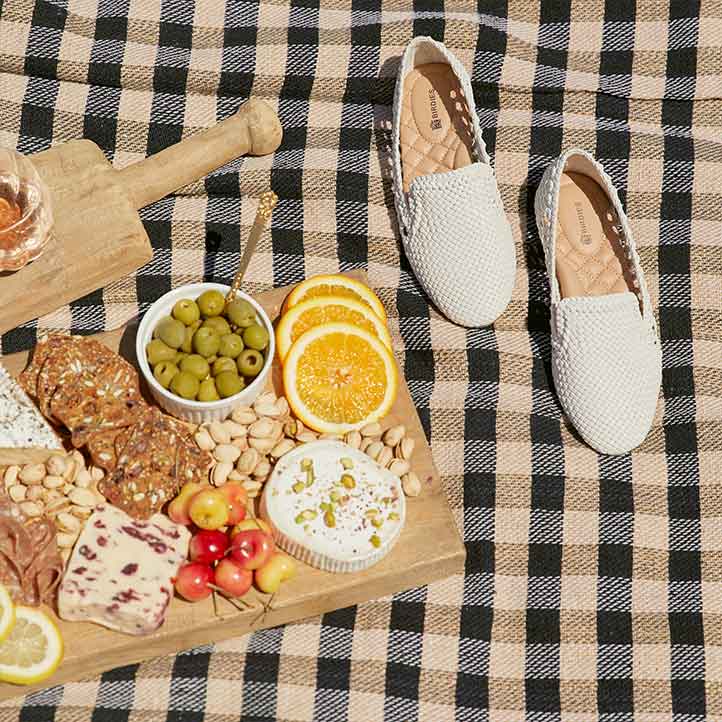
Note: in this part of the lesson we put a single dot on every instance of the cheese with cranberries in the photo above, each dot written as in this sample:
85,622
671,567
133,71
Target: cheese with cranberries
333,507
121,570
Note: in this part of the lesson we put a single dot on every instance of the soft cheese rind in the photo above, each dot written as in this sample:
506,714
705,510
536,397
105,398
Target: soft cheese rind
345,547
21,423
120,572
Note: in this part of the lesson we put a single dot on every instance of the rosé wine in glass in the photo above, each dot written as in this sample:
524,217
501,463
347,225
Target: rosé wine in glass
26,216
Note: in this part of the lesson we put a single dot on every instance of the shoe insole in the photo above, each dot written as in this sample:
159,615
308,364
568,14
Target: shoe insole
436,134
590,258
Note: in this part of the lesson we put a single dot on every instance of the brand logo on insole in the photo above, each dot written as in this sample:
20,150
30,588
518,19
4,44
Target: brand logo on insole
435,120
586,237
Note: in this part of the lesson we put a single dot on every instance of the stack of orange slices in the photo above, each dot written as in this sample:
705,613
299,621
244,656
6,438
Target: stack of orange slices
339,371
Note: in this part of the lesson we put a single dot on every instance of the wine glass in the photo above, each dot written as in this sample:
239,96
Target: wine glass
26,216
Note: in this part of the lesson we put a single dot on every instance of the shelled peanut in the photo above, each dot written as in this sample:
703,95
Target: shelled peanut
247,445
62,488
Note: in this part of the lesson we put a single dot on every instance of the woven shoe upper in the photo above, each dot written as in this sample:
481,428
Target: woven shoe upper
460,245
606,363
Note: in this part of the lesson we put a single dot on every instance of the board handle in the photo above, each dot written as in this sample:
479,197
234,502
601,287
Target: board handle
254,130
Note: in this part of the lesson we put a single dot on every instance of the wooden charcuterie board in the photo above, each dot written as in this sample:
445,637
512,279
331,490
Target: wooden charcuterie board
430,548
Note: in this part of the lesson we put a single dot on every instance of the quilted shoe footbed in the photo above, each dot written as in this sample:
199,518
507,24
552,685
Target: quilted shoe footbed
590,257
435,128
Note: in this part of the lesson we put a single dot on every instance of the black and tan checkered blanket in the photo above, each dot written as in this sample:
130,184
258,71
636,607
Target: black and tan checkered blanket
593,586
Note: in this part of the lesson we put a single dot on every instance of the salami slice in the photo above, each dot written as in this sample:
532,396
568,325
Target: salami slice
30,563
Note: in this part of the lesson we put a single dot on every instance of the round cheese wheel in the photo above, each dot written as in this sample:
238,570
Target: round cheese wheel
333,507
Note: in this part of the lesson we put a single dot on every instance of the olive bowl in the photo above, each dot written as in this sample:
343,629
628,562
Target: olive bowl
199,412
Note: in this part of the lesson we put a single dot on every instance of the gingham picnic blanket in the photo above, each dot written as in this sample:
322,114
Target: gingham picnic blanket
593,586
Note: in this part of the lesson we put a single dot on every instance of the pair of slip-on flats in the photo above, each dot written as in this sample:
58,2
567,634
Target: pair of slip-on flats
606,356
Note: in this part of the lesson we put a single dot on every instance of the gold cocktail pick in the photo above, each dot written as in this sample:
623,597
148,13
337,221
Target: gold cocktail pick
266,205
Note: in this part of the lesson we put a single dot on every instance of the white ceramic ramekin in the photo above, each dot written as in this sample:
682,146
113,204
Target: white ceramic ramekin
198,412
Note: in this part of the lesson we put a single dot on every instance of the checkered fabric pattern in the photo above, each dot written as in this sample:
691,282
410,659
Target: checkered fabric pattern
593,587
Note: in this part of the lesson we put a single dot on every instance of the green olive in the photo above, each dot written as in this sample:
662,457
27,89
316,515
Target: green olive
157,351
207,391
206,342
187,345
185,385
186,311
231,345
223,364
196,365
228,383
171,332
250,362
218,324
179,356
193,328
158,325
241,313
164,371
256,337
211,303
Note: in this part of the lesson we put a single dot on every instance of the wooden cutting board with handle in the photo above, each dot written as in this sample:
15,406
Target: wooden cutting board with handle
98,235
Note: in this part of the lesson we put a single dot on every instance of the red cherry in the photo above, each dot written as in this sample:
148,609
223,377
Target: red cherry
193,580
251,548
208,546
232,578
237,498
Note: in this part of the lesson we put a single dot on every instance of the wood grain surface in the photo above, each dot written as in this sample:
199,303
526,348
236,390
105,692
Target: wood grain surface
98,236
430,548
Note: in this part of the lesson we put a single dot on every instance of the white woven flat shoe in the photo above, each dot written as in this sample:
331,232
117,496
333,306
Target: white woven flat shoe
451,218
606,356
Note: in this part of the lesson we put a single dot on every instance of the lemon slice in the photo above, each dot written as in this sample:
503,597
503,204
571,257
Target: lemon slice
339,377
317,310
7,612
33,649
336,285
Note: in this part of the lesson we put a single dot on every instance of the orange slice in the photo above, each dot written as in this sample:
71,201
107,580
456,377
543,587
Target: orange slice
336,285
327,309
339,377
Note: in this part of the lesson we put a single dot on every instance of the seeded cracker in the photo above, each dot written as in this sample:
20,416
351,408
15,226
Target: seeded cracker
192,463
147,474
69,363
152,444
95,393
121,440
109,399
101,447
139,497
29,377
